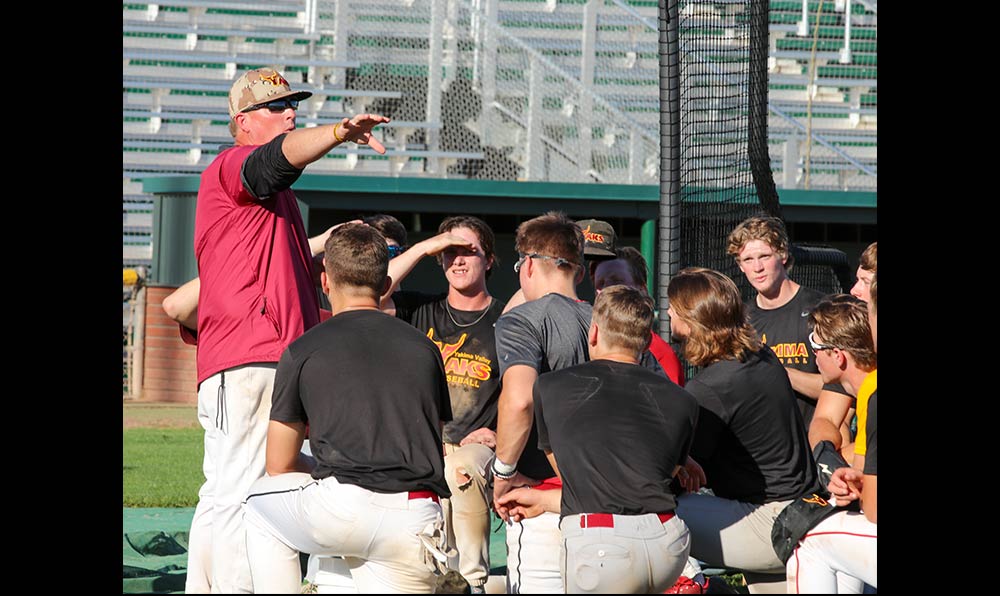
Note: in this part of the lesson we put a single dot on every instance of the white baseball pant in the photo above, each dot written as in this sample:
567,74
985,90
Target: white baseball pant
533,555
234,407
376,533
844,543
622,554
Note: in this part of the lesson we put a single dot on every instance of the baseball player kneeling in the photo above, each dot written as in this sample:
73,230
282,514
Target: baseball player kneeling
374,394
620,433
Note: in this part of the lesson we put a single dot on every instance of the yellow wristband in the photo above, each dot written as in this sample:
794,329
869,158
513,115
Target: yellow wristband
339,140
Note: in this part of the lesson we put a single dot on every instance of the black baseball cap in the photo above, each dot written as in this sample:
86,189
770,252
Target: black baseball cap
599,239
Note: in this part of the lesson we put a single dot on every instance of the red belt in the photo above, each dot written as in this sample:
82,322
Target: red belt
607,520
424,494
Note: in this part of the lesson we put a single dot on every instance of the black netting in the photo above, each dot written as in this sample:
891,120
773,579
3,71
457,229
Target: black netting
725,171
715,166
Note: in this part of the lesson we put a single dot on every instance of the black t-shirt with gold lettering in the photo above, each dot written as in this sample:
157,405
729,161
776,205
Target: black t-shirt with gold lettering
786,331
468,348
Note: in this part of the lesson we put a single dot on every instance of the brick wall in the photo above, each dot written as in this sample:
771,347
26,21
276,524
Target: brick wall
170,372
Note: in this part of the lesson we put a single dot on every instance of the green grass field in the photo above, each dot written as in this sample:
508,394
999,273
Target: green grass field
161,467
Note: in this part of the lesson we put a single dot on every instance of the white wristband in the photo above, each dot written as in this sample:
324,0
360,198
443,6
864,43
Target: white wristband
503,469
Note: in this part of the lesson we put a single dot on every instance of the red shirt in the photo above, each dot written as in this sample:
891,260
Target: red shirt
667,358
255,266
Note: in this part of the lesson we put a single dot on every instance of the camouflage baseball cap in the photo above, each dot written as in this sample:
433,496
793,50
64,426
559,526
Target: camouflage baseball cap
260,86
599,239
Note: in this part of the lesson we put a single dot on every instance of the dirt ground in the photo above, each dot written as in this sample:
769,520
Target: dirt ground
158,415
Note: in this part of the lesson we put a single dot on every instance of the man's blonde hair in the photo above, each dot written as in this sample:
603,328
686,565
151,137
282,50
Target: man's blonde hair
624,318
769,230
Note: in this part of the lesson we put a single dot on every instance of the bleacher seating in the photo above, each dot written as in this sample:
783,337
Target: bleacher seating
843,97
137,225
180,56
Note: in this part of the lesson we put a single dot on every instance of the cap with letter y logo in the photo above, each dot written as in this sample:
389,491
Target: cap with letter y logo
258,86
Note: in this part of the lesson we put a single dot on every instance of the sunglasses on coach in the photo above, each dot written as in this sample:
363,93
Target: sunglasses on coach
278,105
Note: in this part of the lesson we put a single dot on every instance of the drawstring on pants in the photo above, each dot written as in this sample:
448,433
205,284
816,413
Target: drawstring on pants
221,419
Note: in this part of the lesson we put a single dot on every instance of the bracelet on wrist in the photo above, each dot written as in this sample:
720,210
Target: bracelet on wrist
502,470
339,140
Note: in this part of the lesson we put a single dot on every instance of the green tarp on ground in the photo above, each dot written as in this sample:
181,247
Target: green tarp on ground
154,550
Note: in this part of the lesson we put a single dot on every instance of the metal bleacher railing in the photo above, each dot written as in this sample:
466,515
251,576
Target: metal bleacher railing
172,57
541,90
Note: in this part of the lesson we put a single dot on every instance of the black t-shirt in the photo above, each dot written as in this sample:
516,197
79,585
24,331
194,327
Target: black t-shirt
617,431
750,437
871,451
373,391
468,348
786,331
547,334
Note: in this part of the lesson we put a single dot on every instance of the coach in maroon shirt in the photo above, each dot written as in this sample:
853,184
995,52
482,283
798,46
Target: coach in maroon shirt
256,297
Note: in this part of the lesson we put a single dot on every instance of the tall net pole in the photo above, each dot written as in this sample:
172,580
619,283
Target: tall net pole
670,153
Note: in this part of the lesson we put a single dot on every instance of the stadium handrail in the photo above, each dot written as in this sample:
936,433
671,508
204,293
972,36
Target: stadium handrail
227,58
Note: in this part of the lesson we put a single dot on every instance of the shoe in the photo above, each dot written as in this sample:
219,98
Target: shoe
451,582
686,585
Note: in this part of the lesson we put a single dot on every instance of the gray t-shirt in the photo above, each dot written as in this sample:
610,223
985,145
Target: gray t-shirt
546,334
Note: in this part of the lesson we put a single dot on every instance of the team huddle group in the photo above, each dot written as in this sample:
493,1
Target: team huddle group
379,434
